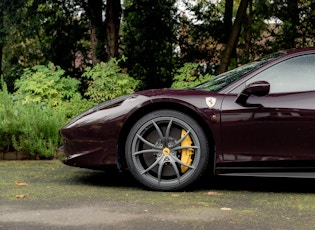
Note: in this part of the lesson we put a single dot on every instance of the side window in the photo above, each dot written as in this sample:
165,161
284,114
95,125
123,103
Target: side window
293,75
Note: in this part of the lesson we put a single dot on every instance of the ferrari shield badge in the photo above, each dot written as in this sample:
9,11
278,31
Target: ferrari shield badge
210,101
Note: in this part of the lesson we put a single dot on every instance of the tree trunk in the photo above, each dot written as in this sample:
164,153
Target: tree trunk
1,36
228,14
248,30
112,24
236,29
94,12
294,21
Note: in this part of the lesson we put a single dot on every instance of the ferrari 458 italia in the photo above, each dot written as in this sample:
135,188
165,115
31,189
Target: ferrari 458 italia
258,119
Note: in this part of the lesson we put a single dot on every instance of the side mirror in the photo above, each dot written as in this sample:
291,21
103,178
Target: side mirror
258,88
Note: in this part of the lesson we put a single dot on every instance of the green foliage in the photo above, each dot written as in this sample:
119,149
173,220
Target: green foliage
40,31
46,84
202,32
107,81
188,76
73,107
32,127
38,132
31,117
7,117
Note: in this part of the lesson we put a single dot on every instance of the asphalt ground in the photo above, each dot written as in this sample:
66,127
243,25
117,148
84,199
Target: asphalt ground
50,195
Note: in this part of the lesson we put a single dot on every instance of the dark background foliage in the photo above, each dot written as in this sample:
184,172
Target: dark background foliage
155,37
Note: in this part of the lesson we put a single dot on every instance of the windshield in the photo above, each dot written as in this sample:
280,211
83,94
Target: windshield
221,81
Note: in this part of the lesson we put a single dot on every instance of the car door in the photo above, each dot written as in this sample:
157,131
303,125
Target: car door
282,128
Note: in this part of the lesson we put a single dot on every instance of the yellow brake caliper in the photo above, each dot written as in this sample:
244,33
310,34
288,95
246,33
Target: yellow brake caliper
186,153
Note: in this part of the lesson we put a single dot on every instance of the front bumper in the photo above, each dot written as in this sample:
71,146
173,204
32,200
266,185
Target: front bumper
87,154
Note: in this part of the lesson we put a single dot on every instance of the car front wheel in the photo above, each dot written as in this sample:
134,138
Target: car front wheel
167,150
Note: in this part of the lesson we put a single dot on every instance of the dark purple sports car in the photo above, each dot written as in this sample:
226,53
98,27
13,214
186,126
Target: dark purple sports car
258,119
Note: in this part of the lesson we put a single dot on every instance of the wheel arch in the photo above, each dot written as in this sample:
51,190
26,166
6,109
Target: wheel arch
121,161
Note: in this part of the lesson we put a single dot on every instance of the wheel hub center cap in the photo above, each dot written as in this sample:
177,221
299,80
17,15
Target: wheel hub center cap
166,151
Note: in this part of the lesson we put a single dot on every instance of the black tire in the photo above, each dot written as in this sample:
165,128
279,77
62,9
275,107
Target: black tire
155,149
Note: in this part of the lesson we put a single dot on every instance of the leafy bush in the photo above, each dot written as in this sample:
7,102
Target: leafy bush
38,134
32,116
31,127
7,118
188,76
106,81
46,84
73,107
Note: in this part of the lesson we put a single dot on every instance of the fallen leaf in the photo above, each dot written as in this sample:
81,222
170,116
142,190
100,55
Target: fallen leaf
213,193
21,183
226,209
21,196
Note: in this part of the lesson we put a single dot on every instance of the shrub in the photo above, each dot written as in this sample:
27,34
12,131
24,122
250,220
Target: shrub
106,81
73,107
32,116
7,118
49,85
31,127
46,84
38,132
188,76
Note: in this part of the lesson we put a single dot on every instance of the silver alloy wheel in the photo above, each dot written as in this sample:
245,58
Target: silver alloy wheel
155,149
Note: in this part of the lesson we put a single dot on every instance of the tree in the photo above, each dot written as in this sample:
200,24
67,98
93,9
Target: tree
236,29
228,15
94,12
52,30
149,36
11,13
38,31
200,34
60,31
248,31
104,34
112,24
1,34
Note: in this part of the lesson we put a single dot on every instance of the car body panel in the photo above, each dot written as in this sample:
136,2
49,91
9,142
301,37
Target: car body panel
272,132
